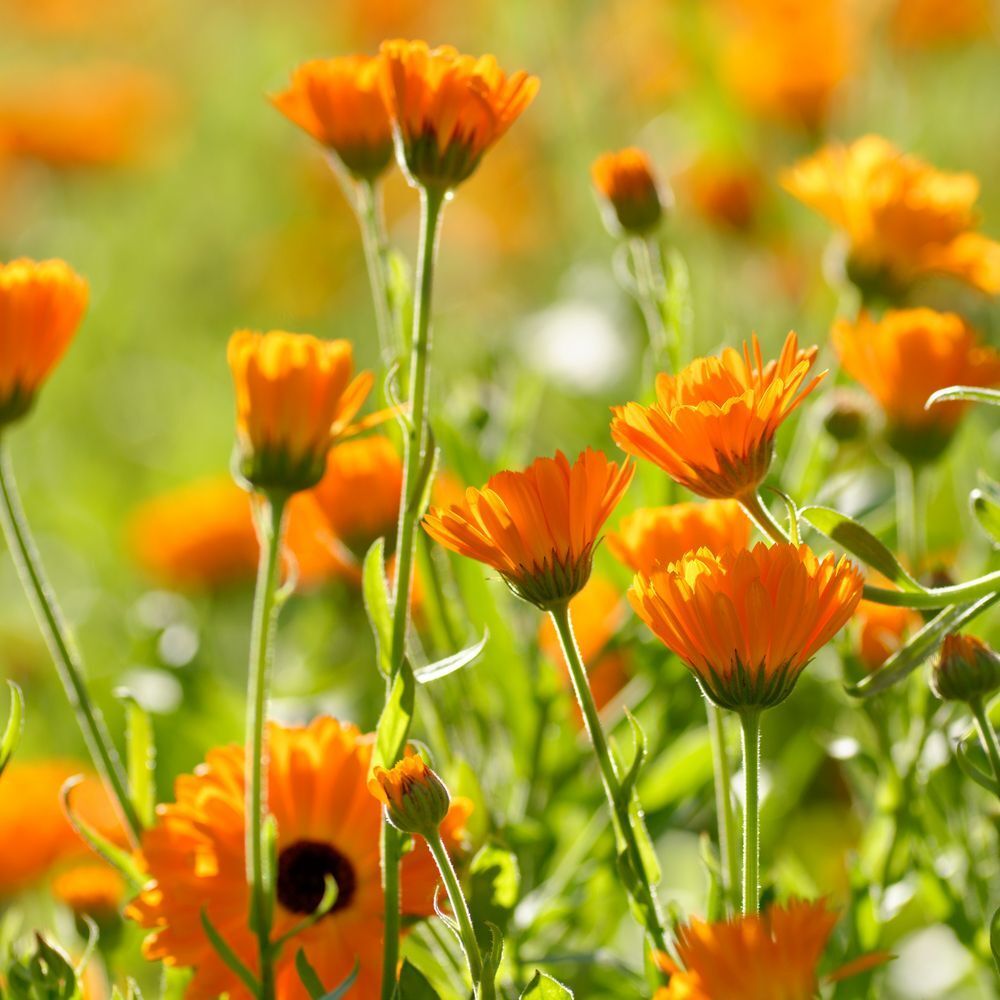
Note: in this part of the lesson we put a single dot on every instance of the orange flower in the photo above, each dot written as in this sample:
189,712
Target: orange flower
902,218
294,397
339,103
920,24
747,623
415,798
41,305
712,426
537,527
726,191
774,956
359,492
881,630
627,183
96,890
328,824
905,357
449,109
657,536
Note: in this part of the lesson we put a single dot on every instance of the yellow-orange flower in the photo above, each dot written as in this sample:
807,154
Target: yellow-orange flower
712,426
747,623
41,304
537,527
920,24
294,396
328,824
657,536
726,191
903,219
339,103
881,630
903,358
772,956
449,109
628,185
94,889
415,798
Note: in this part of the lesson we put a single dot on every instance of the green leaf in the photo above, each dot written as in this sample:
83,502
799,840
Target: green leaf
394,722
45,974
972,393
14,728
378,605
544,987
450,664
986,510
682,770
227,954
492,954
141,756
859,541
494,888
420,498
972,771
413,985
311,981
641,749
793,514
995,938
400,291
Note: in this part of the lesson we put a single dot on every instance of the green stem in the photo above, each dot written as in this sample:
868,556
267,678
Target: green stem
67,659
391,847
368,206
618,803
757,511
262,631
728,846
750,720
940,597
484,986
987,736
907,514
650,302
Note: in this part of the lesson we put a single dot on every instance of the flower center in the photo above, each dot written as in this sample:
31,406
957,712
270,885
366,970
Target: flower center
302,871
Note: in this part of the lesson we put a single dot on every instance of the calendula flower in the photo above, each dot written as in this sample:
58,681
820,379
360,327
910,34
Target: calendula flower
294,396
41,304
725,190
881,630
339,103
626,182
747,623
902,218
902,359
924,24
415,798
448,109
712,426
966,670
91,889
773,956
538,528
657,536
328,825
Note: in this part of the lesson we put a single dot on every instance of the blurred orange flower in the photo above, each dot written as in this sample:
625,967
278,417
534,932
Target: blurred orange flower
339,103
922,24
626,181
449,109
294,396
96,890
712,426
880,630
903,219
537,527
658,536
747,623
328,824
41,305
905,357
726,191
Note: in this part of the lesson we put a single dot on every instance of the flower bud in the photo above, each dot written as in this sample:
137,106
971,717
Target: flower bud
846,418
626,182
966,670
414,796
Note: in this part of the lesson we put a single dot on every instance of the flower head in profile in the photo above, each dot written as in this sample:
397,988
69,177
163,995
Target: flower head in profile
771,956
538,528
713,424
415,798
657,536
41,304
906,356
295,394
747,623
626,182
966,669
448,109
902,218
328,825
339,103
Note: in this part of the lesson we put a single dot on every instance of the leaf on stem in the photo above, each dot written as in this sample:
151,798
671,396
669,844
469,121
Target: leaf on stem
394,722
311,981
450,664
984,501
141,756
413,984
15,726
378,605
971,393
226,953
544,987
972,770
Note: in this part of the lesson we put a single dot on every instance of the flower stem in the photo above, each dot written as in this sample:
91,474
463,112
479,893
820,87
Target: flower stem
368,206
757,511
650,302
262,630
391,845
987,736
484,986
750,720
907,514
62,648
728,846
618,802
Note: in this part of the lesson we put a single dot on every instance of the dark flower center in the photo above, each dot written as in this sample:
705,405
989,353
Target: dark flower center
302,871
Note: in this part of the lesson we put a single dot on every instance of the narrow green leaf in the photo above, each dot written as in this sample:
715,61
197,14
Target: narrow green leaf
641,749
227,954
986,511
330,893
375,591
413,984
544,987
972,771
492,953
793,514
311,981
420,498
394,722
450,664
972,393
140,748
859,541
15,726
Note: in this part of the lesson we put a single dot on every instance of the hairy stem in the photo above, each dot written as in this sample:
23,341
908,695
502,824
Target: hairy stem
728,845
750,720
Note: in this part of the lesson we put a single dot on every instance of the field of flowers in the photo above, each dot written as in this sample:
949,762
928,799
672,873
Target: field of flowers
511,515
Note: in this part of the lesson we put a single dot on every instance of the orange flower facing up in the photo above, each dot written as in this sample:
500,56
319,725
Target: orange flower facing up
328,825
902,218
538,528
657,536
881,630
626,182
773,956
905,357
415,798
712,426
747,623
294,396
339,103
448,109
41,305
